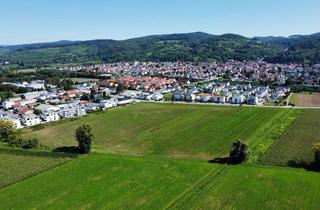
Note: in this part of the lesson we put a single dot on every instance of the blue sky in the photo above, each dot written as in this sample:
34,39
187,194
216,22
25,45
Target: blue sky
28,21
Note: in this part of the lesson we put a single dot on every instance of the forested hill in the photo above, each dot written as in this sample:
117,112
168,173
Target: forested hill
196,46
296,48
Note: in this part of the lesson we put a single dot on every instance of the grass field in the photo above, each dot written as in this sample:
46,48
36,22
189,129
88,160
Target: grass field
109,182
16,165
175,130
296,143
305,99
155,156
254,187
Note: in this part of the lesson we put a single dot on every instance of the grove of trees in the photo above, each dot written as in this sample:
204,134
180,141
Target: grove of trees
9,136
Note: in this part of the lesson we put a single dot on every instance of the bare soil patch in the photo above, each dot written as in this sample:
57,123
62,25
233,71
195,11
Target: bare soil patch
308,100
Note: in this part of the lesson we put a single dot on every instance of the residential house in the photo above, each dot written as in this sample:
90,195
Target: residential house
47,108
145,96
49,116
30,119
219,99
157,97
35,95
204,97
23,110
237,99
178,96
190,96
252,100
122,100
71,111
13,118
106,104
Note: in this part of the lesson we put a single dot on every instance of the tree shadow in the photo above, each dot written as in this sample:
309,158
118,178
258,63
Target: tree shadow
68,150
309,166
223,160
34,153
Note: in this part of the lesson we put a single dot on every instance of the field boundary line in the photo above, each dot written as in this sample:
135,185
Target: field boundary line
217,171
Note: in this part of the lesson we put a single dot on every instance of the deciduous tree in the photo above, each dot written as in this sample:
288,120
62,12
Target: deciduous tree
84,137
239,153
7,131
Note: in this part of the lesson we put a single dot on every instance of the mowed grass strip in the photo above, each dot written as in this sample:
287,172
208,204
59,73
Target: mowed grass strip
168,129
295,145
254,187
16,165
99,181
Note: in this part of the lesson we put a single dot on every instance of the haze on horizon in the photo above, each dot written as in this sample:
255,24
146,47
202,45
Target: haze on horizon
36,21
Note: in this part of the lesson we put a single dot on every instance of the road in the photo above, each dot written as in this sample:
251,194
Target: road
288,99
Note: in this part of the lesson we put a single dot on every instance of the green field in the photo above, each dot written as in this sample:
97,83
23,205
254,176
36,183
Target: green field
109,182
16,165
296,143
175,130
155,156
254,187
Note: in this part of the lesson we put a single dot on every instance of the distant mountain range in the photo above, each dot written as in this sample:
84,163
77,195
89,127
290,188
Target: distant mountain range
197,46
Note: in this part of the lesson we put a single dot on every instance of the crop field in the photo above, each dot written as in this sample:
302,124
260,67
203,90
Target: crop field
101,181
306,99
16,165
174,130
295,144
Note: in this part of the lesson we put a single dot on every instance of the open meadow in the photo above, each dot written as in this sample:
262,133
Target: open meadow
156,156
174,129
101,181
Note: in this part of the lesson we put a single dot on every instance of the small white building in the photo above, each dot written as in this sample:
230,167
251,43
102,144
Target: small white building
71,111
204,97
178,96
36,85
30,119
80,112
50,116
122,100
157,97
237,99
35,95
190,97
107,104
145,96
252,100
219,99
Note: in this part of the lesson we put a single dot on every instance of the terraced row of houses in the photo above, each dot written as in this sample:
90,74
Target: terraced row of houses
224,92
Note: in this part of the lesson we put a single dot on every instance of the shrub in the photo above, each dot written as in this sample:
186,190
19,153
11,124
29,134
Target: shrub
25,144
7,132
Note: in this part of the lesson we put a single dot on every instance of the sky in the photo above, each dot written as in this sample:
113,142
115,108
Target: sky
31,21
